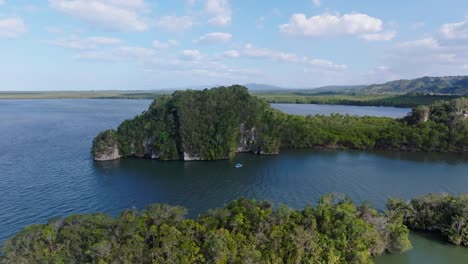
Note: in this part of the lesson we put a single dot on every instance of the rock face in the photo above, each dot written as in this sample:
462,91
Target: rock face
111,154
247,139
190,157
106,147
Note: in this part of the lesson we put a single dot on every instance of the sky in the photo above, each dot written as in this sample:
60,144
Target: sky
143,44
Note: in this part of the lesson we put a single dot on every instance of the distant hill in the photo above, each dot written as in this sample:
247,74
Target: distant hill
450,85
335,89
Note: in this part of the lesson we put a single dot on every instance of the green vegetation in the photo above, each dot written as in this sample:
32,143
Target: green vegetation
407,100
209,124
454,85
441,127
245,231
217,123
449,85
445,214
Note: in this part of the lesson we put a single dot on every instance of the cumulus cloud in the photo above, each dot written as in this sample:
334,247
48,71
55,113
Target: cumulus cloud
174,23
357,24
11,27
214,38
74,42
220,10
118,15
317,2
190,55
164,45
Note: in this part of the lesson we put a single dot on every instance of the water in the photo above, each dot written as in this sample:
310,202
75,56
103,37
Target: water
313,109
46,170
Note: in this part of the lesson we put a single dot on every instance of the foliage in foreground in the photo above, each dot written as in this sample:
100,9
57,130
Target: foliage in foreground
245,231
445,214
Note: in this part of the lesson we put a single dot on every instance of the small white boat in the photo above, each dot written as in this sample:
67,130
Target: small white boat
238,165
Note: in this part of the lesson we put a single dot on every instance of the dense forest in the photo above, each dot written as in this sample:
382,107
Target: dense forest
444,214
217,123
245,231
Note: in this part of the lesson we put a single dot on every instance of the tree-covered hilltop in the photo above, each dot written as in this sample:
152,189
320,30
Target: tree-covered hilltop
217,123
194,125
245,231
444,214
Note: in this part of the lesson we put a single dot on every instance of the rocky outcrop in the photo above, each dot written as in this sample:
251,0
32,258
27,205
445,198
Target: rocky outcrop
111,154
190,157
247,139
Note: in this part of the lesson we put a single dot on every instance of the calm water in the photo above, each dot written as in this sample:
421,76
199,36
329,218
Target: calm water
313,109
46,170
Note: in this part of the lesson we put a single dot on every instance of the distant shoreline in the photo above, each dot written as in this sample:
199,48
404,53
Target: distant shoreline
279,97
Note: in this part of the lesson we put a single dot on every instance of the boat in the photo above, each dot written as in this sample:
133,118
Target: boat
238,165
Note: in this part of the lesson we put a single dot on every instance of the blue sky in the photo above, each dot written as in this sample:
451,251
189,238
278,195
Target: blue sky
142,44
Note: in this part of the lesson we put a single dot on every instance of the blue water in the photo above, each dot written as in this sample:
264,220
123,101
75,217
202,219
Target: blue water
314,109
46,170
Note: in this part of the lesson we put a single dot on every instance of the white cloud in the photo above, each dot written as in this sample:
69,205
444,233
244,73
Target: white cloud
383,36
326,64
231,54
116,15
453,31
11,27
252,51
332,25
317,2
220,11
174,23
214,38
190,55
164,45
74,42
439,55
430,43
255,52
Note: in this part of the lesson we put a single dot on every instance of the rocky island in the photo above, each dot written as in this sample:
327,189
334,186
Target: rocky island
218,123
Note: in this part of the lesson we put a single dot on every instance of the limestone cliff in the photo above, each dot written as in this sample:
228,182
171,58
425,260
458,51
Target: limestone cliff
193,125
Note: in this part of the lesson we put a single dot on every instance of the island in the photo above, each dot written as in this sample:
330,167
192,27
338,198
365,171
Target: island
217,123
336,230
